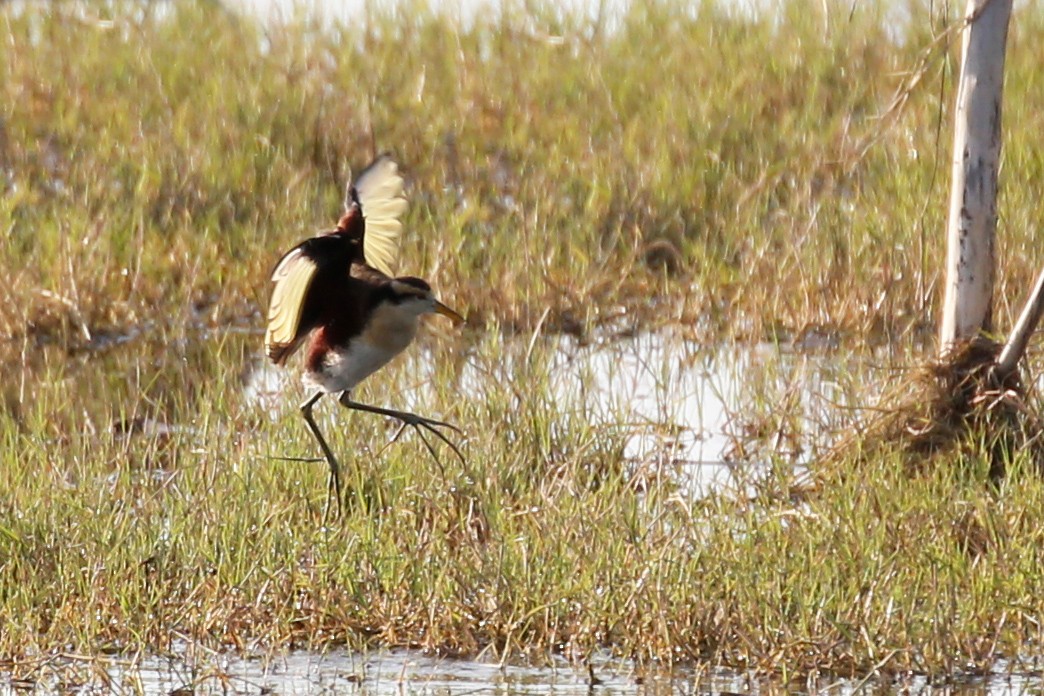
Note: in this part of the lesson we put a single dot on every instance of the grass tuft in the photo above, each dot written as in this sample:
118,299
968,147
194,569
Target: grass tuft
954,407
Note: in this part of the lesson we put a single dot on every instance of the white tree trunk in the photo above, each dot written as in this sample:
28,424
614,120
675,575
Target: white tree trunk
967,307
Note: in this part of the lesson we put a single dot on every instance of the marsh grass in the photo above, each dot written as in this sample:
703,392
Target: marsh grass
718,145
118,537
740,177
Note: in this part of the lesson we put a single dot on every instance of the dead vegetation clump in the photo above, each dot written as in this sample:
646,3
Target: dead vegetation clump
958,407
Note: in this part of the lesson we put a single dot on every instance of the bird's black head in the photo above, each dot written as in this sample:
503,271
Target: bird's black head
408,287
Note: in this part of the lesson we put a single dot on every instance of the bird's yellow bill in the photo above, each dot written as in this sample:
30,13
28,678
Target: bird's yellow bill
447,312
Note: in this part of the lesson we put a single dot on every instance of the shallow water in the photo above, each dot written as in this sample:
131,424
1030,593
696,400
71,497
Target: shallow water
406,672
684,408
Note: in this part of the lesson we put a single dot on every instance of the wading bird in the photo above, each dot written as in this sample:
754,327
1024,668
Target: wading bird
338,293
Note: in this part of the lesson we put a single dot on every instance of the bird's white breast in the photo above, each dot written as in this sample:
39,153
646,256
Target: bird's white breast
387,334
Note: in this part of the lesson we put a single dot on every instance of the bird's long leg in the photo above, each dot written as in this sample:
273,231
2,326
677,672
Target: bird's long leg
335,468
412,419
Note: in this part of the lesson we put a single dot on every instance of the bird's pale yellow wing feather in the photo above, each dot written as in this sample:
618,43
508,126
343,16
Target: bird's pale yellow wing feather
292,278
380,192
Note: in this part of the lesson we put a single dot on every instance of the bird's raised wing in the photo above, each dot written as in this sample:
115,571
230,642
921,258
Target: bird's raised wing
378,191
292,277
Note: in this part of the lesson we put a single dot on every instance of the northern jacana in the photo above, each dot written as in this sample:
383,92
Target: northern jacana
337,292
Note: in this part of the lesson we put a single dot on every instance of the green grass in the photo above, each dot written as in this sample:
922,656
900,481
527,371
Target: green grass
156,161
